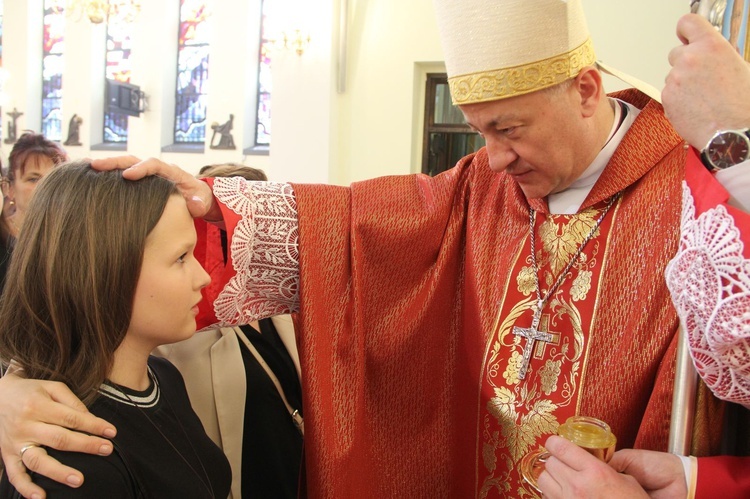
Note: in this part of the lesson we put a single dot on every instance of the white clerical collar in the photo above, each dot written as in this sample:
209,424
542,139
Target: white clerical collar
569,201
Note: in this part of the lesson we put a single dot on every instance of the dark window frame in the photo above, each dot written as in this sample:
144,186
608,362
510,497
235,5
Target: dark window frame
433,80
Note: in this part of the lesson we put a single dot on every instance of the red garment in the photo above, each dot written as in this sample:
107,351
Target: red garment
724,477
401,281
708,193
210,253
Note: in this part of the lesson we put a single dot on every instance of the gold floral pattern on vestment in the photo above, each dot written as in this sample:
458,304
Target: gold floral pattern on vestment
581,285
561,241
549,374
514,367
526,281
523,79
520,412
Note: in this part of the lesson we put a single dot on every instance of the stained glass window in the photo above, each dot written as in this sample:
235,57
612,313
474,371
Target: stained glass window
52,68
117,68
192,73
263,110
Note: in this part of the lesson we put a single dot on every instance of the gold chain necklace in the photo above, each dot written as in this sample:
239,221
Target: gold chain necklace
533,334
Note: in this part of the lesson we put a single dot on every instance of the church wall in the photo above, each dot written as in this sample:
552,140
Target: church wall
319,134
388,38
304,133
635,36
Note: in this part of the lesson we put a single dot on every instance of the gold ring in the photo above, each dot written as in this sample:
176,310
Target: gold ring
25,448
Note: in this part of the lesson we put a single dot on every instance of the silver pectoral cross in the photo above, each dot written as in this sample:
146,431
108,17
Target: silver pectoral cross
532,335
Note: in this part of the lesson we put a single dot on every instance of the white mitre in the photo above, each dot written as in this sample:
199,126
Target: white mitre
496,49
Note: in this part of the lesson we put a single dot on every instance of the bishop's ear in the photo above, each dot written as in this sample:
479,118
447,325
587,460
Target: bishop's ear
589,85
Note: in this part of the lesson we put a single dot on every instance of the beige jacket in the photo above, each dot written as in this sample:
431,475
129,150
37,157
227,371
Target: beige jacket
211,364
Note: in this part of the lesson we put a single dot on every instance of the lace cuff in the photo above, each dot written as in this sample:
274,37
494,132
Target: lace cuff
709,280
263,250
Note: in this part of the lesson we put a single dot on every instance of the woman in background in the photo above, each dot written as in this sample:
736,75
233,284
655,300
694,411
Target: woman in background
31,159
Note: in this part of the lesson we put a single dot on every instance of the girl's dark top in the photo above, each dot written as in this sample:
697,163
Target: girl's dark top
161,449
272,445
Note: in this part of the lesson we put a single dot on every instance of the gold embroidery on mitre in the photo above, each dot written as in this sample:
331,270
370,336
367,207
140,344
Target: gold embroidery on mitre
518,80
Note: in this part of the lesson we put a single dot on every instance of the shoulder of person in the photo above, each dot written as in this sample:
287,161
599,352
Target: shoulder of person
105,476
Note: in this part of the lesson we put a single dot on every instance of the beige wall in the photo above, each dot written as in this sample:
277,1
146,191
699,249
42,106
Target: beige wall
319,134
635,36
388,38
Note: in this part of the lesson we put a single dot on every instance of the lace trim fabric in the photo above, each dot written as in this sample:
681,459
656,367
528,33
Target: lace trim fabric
709,280
264,249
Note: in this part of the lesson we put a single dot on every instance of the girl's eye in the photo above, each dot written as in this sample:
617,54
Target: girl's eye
182,258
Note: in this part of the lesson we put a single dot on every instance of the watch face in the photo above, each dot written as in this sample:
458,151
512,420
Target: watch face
728,149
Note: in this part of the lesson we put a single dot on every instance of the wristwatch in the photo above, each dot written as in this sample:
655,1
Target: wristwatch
726,148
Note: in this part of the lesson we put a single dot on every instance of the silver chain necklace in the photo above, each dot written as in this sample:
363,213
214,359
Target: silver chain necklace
204,479
533,334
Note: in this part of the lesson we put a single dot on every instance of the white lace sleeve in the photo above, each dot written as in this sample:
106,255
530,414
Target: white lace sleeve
709,280
264,251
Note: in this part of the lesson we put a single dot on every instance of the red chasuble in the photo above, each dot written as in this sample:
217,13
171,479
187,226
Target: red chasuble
410,290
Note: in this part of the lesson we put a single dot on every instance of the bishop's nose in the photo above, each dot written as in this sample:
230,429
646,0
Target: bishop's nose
500,154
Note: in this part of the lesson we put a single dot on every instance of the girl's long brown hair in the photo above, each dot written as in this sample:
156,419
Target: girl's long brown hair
68,297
